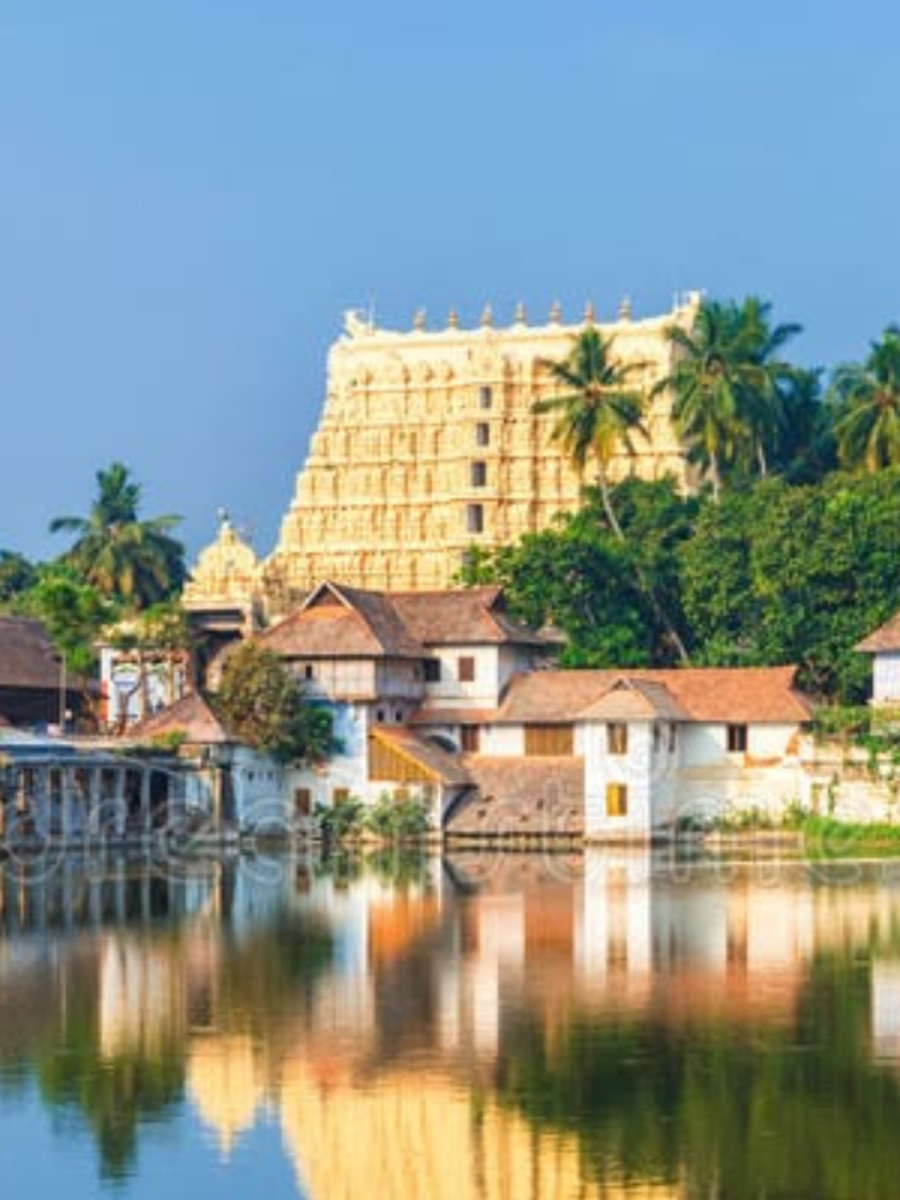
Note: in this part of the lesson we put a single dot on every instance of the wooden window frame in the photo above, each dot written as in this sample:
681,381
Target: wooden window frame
549,741
617,738
737,737
465,668
616,800
470,739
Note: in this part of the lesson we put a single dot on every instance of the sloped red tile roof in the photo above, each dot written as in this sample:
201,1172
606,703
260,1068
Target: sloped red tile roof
343,622
191,715
28,658
715,694
885,638
515,796
452,716
635,699
461,616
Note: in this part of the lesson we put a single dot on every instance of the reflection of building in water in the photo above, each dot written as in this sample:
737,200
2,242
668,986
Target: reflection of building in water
416,1134
383,1068
225,1084
141,996
611,936
886,1010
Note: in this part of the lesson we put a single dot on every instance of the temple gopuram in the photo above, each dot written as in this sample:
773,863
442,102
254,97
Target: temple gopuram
428,445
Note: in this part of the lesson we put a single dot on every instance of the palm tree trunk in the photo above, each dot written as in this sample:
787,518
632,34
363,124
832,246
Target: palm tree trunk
608,506
715,476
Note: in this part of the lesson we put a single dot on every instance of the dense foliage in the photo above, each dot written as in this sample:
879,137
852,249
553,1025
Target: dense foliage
771,574
264,706
119,566
789,554
133,561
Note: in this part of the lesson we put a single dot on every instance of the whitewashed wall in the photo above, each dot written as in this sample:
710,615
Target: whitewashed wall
481,692
634,769
886,678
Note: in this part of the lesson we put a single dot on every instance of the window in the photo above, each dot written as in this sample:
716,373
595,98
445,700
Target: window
482,434
465,669
302,801
617,738
432,670
469,739
478,474
549,740
379,716
673,738
485,397
617,799
309,671
475,518
736,738
340,795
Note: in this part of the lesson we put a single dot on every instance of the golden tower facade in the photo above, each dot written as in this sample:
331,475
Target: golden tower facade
428,445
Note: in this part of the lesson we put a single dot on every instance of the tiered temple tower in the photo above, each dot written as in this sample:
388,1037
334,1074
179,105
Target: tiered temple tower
428,445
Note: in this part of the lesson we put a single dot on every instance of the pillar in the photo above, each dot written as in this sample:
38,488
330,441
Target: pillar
146,818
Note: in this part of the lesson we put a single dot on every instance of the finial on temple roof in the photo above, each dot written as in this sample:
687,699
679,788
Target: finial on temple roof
419,320
453,319
555,312
224,517
589,315
625,309
521,317
487,317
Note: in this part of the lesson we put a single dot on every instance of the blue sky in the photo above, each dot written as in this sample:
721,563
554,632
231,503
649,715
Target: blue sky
193,191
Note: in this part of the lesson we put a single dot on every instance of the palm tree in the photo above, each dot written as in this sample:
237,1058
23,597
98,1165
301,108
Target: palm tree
597,411
867,396
729,385
597,414
125,558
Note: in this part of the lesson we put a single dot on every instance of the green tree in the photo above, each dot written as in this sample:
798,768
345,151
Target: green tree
730,387
597,413
807,448
17,574
134,561
594,586
782,574
264,706
867,398
597,410
73,612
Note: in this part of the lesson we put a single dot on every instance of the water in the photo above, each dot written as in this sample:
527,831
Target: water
499,1027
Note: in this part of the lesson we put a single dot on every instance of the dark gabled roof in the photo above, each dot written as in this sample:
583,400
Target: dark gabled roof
884,639
460,617
343,622
28,658
191,715
713,694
